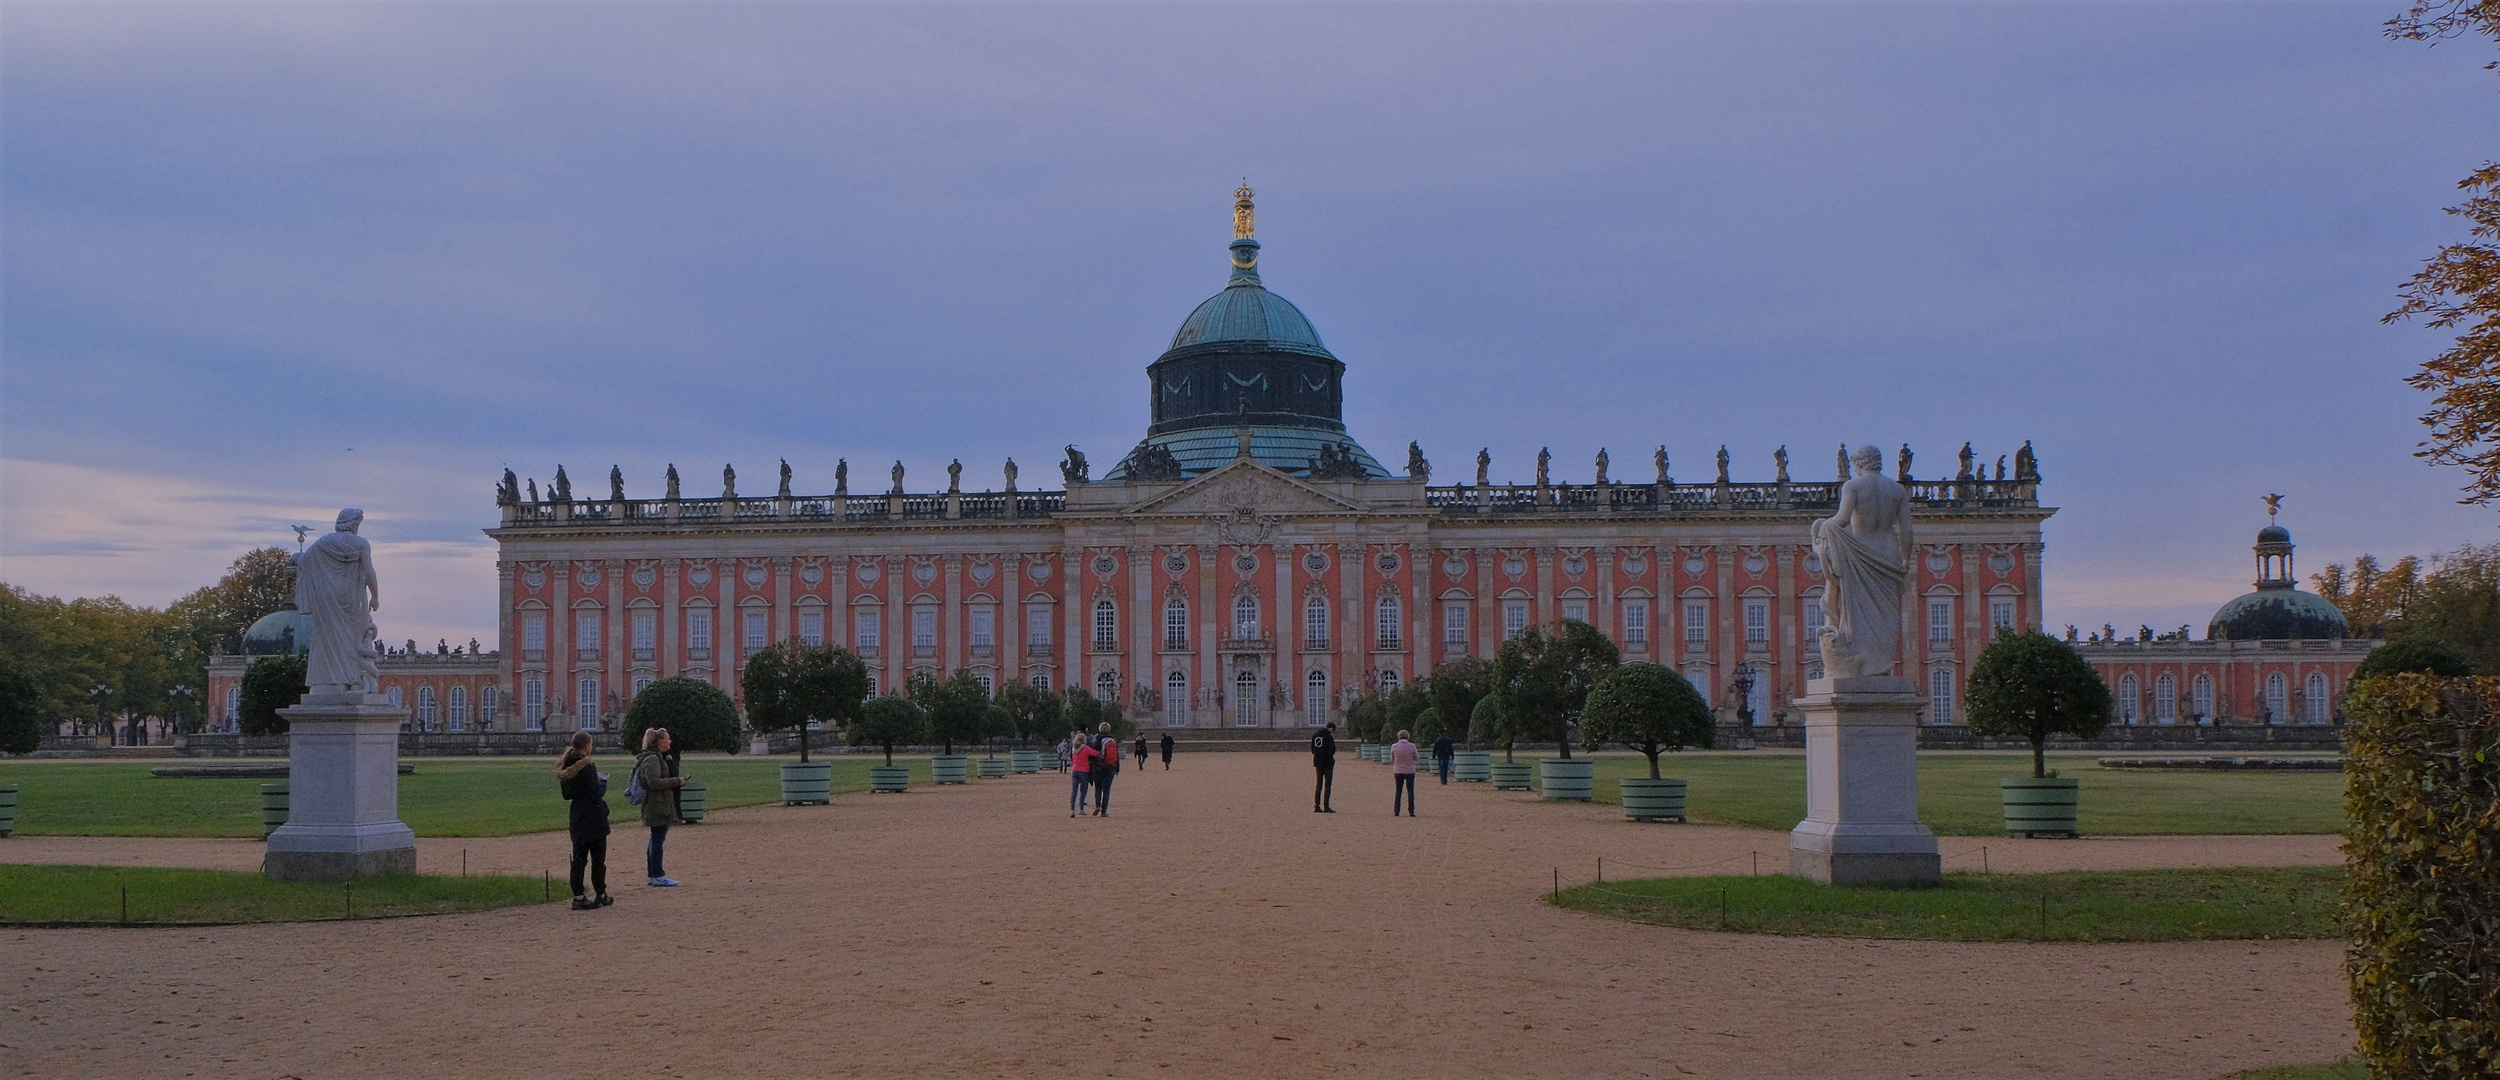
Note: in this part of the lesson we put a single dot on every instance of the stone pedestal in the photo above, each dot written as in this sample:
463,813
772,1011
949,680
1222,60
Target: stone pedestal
1861,825
343,792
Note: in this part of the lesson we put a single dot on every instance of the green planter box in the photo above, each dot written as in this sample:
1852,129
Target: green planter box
806,783
1511,775
1471,766
2040,807
8,809
1567,779
1024,761
272,808
950,768
889,778
993,768
1645,799
690,802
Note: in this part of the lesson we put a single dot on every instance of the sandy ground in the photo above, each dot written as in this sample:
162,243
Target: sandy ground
1212,927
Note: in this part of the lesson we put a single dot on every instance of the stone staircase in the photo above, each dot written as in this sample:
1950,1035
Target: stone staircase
1202,740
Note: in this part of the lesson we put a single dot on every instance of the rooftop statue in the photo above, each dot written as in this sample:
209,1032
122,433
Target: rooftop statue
785,478
2000,466
1779,457
533,489
1073,470
898,478
1416,467
842,476
616,483
509,491
1011,474
1660,459
728,482
1484,465
672,481
336,589
1865,548
1157,464
1544,459
1904,476
1601,465
1965,457
564,486
1723,463
954,476
2026,465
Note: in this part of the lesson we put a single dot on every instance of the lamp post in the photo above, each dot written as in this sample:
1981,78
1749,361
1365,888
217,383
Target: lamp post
1742,686
179,692
100,693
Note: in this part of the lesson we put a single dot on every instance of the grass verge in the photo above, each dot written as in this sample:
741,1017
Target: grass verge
2087,906
161,896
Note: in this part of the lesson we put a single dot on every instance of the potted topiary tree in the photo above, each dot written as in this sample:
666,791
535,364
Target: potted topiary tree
1651,709
699,718
957,707
886,722
791,686
1039,717
1542,681
996,724
1486,726
2035,686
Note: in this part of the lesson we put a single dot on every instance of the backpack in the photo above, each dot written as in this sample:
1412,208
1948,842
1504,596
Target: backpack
635,793
1109,761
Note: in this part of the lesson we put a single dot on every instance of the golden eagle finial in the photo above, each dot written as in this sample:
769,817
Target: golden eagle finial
2273,504
1243,224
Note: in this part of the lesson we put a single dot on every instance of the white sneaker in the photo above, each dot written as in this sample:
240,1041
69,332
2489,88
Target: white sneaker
663,883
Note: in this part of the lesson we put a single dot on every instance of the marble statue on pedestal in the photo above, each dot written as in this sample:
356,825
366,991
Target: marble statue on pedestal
1865,548
1602,462
842,476
672,481
1011,474
1484,465
336,589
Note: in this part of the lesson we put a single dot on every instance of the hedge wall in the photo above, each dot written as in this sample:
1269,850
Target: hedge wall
2423,901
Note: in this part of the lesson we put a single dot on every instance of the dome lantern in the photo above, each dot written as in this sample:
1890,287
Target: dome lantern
2278,610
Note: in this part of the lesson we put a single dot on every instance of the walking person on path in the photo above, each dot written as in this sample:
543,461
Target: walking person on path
1402,762
1080,772
1106,769
1066,752
1324,762
586,789
1141,749
1442,751
1167,752
655,771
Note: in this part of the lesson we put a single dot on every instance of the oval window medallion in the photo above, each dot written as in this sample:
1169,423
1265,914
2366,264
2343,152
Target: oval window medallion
1939,562
1575,565
982,572
755,575
1176,563
1695,564
1040,570
643,576
1454,566
1814,563
1246,562
1635,566
1315,562
1389,562
868,570
1514,566
924,573
1754,564
533,579
811,573
2001,562
701,575
1106,565
590,578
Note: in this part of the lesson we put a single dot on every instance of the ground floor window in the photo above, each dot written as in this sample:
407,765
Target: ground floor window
1315,699
1940,694
1176,699
1245,699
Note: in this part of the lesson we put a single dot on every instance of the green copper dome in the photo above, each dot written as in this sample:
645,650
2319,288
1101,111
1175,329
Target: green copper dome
285,632
2277,614
1246,313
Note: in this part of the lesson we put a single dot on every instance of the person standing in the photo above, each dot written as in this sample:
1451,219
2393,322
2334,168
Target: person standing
586,790
1167,752
1442,751
1106,769
1141,749
1066,752
656,770
1324,762
1080,771
1402,762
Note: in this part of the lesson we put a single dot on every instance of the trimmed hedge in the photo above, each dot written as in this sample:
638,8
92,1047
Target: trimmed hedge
2423,902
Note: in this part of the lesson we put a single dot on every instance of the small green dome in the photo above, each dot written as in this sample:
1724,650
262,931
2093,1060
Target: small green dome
2277,614
2274,534
285,632
1245,313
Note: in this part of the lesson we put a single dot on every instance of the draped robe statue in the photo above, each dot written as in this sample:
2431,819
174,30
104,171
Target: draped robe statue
1865,549
336,589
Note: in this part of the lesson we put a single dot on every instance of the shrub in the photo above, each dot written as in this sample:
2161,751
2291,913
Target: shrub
2422,789
1485,726
21,709
269,685
2415,652
1650,709
887,722
2035,686
698,716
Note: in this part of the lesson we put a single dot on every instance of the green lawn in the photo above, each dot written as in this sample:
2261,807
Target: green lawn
2125,905
1957,793
162,896
444,797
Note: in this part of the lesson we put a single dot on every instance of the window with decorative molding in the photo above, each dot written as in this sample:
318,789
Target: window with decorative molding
1315,623
1176,699
646,632
586,635
924,631
533,637
1315,698
699,633
1636,624
1391,623
2202,697
811,628
2001,614
1106,625
456,708
1037,628
2316,703
1514,619
984,619
425,708
1176,623
1106,686
489,701
1939,621
1245,699
533,705
586,702
1940,695
1757,625
1696,627
1454,623
867,629
757,636
1246,618
2129,707
2278,698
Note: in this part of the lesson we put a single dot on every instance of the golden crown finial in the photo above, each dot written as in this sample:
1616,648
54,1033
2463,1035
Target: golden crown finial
1244,222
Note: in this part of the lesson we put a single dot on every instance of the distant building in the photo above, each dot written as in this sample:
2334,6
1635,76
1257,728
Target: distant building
450,690
2277,655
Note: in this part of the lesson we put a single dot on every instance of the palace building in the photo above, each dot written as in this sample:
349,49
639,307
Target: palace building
1247,563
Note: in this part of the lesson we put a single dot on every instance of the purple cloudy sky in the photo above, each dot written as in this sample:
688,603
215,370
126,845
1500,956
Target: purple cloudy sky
263,261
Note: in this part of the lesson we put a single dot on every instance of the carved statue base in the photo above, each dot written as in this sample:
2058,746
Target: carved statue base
342,792
1861,825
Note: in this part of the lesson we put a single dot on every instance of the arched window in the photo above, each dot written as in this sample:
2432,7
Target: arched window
2203,699
1315,698
394,696
1106,625
1388,682
1315,623
1106,685
425,708
1041,681
234,707
1759,698
1245,698
1176,623
1699,676
1176,699
488,698
2128,692
988,688
533,705
586,702
2278,698
1391,635
1246,617
2165,699
2318,707
456,707
1940,694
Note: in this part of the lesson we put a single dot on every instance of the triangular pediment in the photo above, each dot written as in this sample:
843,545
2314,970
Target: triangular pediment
1246,490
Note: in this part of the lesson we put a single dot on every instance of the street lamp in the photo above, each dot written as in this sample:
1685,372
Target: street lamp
1742,687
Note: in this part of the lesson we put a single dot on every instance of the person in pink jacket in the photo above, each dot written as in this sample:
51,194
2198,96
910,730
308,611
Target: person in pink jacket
1402,762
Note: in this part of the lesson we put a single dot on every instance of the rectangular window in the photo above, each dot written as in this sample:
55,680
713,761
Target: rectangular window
641,683
1106,625
533,704
586,635
984,625
923,628
868,630
1697,628
1037,629
1454,623
1576,610
488,698
646,628
425,708
872,684
533,637
586,703
1315,624
456,707
1757,624
1940,695
756,639
1391,620
1813,619
811,628
1636,624
1699,677
1514,619
2001,615
1940,622
1176,625
699,632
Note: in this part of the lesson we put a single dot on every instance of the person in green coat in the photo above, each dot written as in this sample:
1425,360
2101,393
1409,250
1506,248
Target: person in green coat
657,771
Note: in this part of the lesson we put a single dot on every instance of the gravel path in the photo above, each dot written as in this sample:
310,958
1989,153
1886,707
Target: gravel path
1212,927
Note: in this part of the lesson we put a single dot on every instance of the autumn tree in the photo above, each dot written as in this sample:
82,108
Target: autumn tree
2459,289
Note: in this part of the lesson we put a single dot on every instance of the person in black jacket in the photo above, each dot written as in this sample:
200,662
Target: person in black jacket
1167,752
586,788
1324,760
1442,751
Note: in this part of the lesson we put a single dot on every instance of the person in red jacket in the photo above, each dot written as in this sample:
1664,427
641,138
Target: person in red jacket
1080,773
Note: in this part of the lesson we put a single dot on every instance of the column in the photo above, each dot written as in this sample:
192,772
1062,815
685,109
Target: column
671,614
1211,674
1283,672
560,674
951,616
1786,645
1729,609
